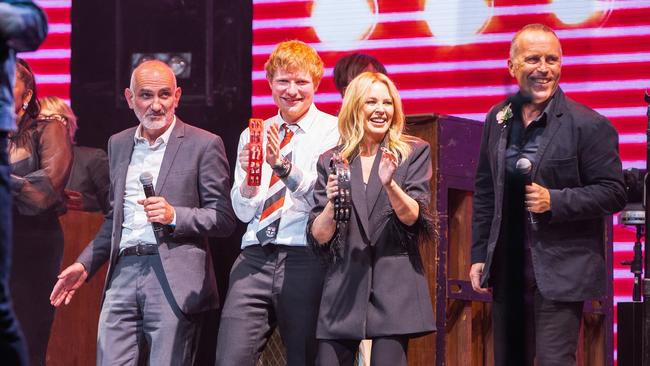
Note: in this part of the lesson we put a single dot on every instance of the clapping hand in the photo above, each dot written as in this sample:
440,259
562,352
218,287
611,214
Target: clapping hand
272,146
387,166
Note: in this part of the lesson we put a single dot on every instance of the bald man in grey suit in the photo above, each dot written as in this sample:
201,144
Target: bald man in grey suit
157,288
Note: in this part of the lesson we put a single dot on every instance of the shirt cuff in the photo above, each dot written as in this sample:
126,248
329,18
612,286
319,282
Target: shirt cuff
173,223
293,179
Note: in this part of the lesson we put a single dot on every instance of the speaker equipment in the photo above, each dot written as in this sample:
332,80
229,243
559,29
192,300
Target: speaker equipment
178,32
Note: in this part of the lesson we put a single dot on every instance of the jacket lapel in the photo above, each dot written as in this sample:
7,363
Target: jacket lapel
501,155
173,145
124,149
359,194
374,185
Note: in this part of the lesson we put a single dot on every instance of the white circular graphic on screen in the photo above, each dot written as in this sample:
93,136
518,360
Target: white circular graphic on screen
574,12
342,23
455,22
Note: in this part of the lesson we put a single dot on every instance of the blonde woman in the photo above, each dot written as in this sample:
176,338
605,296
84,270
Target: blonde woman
89,182
375,286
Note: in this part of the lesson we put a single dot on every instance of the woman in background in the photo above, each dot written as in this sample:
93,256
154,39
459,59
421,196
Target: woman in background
375,286
87,188
40,156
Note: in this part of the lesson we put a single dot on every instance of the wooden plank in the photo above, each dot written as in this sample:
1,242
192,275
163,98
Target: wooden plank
458,334
422,351
73,341
593,341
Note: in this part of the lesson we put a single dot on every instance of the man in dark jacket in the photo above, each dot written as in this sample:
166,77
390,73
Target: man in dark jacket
545,158
23,27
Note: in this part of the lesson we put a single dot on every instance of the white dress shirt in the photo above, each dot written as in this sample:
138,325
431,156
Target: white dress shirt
317,133
145,158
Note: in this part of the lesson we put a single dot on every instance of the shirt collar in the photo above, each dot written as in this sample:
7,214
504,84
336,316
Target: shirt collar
162,139
547,110
306,123
518,101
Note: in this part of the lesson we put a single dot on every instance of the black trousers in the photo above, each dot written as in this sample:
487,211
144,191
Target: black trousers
526,325
12,345
386,351
274,285
36,261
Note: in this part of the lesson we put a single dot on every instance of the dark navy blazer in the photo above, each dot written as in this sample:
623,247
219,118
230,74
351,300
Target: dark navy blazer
578,162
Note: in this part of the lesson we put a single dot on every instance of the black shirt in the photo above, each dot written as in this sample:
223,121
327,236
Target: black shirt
522,143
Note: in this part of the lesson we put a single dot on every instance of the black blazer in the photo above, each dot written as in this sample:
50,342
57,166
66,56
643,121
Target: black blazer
378,288
89,176
578,162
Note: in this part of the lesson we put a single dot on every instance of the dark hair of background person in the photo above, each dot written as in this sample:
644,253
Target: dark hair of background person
26,75
349,66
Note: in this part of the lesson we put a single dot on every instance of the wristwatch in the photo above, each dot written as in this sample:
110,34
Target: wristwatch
282,168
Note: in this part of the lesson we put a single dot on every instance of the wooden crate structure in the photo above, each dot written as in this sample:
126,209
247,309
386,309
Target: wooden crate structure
73,340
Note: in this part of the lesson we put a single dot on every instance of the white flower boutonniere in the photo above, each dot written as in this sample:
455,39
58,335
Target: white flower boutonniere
504,114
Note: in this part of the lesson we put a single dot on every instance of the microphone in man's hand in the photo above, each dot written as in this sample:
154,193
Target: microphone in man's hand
147,184
525,167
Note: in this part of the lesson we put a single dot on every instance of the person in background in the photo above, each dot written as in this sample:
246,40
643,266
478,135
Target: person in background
547,158
23,27
40,155
88,185
349,66
375,286
277,280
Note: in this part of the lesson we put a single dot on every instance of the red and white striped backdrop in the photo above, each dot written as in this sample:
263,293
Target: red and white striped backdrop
447,58
450,57
51,63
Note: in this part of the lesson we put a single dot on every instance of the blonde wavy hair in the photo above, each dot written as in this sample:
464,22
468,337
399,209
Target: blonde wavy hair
57,105
352,118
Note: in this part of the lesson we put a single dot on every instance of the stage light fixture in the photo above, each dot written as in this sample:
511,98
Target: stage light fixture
138,29
456,22
342,23
180,63
575,12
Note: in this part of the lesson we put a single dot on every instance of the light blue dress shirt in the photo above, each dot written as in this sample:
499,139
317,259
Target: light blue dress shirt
145,158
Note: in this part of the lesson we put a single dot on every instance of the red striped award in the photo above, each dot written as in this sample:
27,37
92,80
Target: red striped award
255,155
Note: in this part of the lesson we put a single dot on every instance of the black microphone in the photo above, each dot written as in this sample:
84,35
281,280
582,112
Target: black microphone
147,184
525,167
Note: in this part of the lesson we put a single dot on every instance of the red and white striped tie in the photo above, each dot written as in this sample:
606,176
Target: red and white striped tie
270,218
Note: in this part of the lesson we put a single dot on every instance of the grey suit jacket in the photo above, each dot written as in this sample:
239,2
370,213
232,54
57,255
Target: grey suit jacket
194,178
378,287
